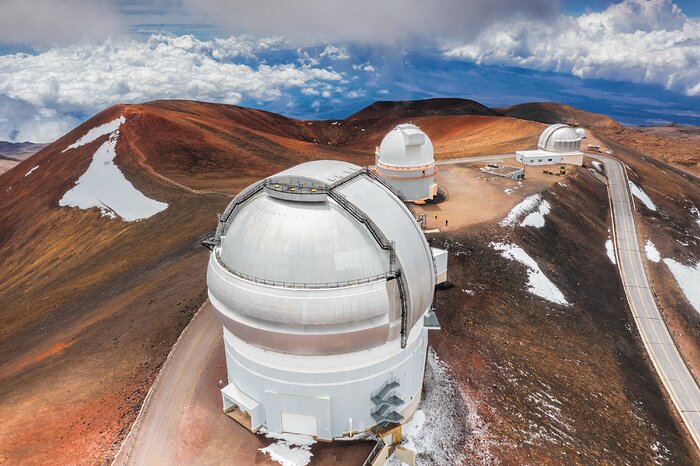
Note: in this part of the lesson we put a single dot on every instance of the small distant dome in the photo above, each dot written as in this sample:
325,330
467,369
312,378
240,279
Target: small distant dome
406,146
581,132
559,138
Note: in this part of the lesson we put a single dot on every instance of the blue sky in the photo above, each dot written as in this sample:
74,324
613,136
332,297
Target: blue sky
62,62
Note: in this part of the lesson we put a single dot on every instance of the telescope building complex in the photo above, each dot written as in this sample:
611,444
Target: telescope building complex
324,282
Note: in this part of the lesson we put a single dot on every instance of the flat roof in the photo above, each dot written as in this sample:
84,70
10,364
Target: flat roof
545,153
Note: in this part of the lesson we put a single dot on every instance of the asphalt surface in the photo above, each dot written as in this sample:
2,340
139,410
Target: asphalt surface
150,441
667,360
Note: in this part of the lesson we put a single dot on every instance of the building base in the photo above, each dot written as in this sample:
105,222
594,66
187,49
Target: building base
325,397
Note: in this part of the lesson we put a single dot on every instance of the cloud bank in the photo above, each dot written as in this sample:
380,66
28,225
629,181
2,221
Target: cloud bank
87,77
643,41
47,22
365,21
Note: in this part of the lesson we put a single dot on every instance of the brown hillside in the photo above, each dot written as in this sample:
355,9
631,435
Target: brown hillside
91,306
552,112
393,109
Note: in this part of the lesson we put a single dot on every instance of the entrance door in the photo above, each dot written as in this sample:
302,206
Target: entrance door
299,424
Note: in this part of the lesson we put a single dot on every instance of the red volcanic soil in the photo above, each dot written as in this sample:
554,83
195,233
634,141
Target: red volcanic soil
402,109
552,112
553,384
90,306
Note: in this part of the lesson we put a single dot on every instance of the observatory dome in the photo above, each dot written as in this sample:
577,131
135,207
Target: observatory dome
559,138
323,281
310,262
406,146
581,132
405,160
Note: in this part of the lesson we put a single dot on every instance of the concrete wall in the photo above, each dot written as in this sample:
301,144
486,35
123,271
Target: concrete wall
333,389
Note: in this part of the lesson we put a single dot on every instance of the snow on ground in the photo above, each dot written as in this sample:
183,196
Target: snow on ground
30,171
104,186
688,278
651,251
538,284
536,218
610,249
510,191
289,449
598,166
642,196
446,425
694,210
97,132
527,205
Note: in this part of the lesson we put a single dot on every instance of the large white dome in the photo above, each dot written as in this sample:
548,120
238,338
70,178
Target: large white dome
310,262
559,138
406,146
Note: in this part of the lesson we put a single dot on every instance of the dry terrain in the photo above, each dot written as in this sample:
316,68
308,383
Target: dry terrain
91,306
677,145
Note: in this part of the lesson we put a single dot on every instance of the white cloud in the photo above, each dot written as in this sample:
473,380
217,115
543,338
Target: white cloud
87,77
649,41
335,53
364,67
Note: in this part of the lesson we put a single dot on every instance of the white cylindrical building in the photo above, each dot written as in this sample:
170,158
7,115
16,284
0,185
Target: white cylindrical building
581,132
323,280
405,159
557,144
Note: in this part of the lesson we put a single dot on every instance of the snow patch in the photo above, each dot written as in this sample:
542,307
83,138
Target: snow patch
694,210
447,424
97,132
610,249
527,205
538,284
651,251
289,449
688,278
642,196
30,171
536,218
104,186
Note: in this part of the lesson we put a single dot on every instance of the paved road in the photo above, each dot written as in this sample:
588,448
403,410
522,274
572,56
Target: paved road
664,354
167,431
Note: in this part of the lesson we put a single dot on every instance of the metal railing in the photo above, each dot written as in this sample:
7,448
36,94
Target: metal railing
302,285
238,200
352,209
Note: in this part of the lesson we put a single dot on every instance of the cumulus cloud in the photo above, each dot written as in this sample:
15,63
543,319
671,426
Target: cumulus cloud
367,21
648,41
87,77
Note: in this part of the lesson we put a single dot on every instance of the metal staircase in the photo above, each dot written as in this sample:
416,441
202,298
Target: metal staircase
385,402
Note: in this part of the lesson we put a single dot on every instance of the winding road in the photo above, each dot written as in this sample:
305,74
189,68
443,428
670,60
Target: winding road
667,360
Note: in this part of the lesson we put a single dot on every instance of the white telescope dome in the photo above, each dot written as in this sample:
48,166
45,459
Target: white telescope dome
581,132
302,270
406,146
323,281
559,138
